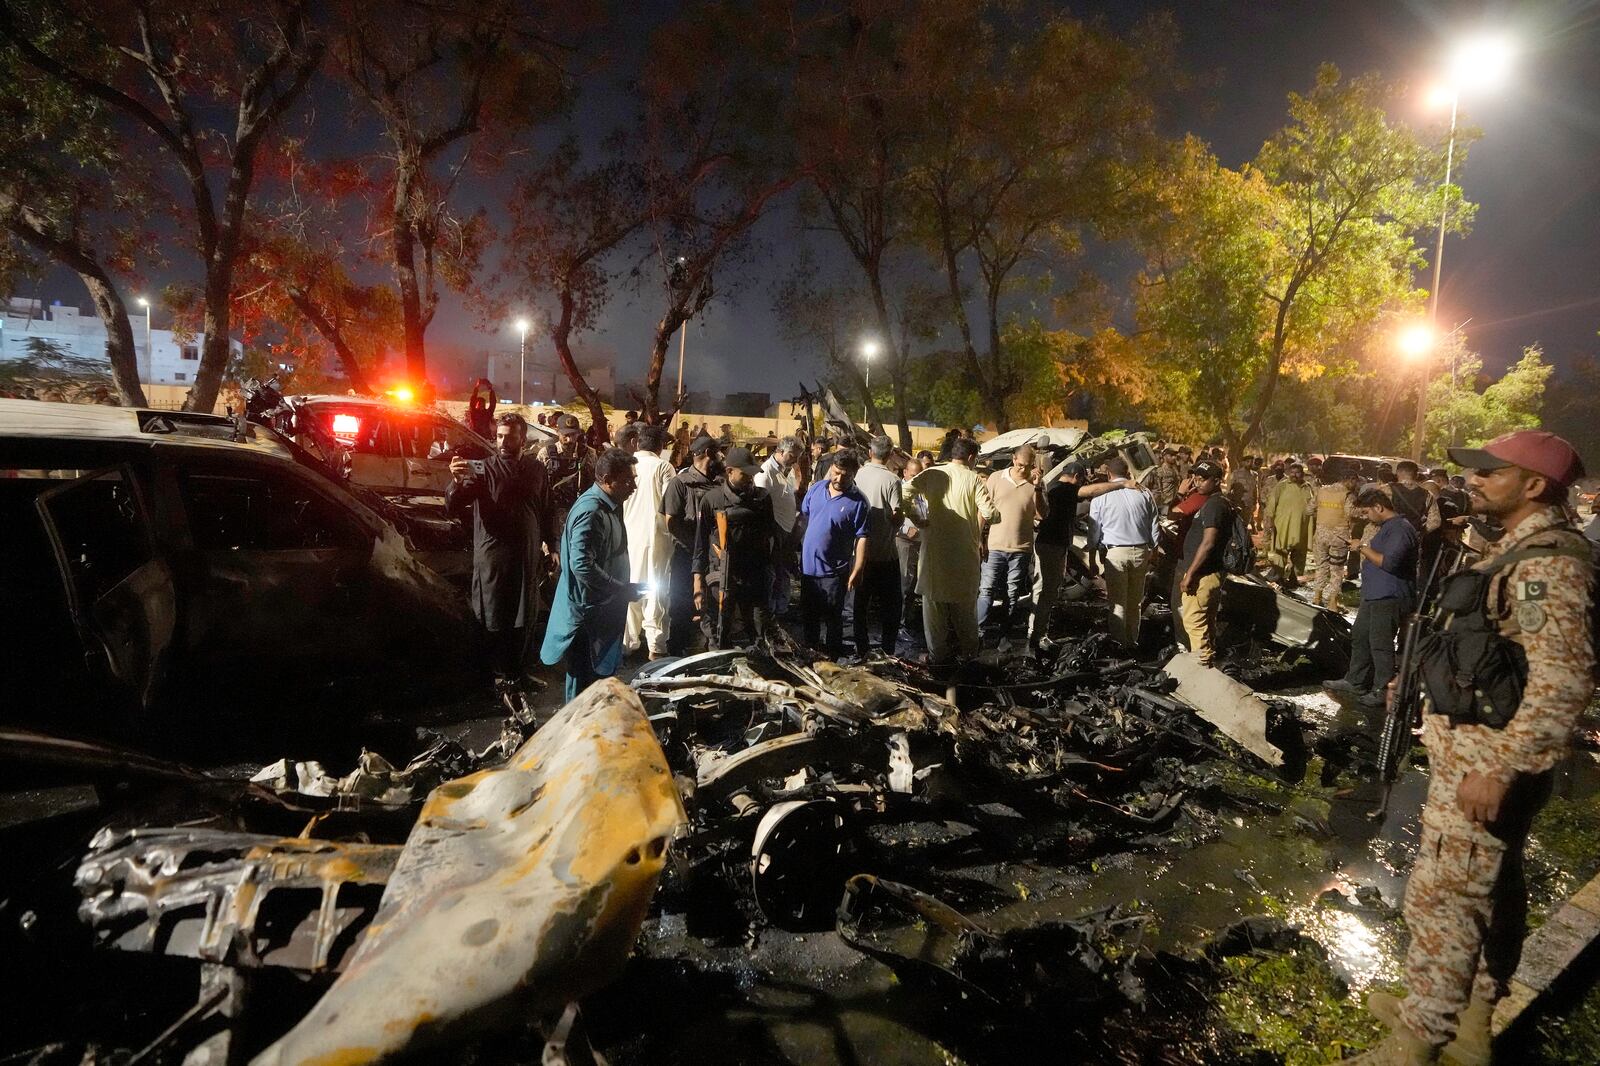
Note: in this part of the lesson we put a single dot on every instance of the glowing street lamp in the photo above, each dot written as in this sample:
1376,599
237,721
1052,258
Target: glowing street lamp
522,377
1416,340
869,352
1476,64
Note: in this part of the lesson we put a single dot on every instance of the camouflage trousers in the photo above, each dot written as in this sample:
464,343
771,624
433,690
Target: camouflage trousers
1330,548
1466,905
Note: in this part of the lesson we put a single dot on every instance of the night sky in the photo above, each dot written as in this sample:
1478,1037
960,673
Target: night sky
1526,274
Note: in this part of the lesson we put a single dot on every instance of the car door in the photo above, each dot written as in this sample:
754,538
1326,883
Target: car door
119,588
282,574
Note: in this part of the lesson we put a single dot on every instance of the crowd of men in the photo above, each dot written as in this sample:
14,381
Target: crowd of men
657,555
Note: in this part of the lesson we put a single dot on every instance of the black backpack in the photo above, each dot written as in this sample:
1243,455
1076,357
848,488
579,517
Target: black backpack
1239,553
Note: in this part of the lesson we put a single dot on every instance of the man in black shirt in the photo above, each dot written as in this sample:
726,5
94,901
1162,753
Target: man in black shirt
507,495
736,539
681,504
1052,541
1202,561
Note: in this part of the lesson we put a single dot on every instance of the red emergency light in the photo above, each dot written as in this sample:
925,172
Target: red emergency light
347,426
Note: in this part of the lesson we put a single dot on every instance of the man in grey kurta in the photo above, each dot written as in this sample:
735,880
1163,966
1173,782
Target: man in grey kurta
507,496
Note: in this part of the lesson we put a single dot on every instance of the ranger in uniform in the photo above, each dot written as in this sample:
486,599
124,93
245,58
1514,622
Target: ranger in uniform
1492,749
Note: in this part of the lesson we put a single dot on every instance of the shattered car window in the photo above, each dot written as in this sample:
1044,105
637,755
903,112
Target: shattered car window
101,532
233,511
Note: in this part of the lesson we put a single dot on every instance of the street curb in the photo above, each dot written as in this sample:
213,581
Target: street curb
1549,953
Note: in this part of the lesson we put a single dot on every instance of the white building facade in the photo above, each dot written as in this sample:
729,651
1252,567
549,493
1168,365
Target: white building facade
163,358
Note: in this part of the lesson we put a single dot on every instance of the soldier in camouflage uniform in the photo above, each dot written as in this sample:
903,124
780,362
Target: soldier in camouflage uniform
571,467
1335,504
1162,481
1466,903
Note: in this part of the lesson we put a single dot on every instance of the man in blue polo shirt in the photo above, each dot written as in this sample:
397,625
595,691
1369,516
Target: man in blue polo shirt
834,550
1388,586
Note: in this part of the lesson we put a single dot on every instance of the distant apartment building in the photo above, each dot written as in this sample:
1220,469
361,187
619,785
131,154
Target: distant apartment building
163,359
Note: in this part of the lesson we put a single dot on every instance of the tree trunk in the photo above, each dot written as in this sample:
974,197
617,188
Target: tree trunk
561,333
952,272
670,323
120,349
897,379
215,349
994,386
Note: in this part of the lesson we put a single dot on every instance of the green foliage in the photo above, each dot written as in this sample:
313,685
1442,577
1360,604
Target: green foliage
1294,1005
50,371
1458,411
1570,1037
1269,272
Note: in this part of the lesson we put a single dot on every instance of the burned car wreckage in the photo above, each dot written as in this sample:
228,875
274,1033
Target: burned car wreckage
471,894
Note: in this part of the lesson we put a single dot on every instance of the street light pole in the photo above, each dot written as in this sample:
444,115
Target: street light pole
1438,271
869,352
522,373
683,341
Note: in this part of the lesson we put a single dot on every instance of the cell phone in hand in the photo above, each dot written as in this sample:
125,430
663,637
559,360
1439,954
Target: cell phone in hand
479,467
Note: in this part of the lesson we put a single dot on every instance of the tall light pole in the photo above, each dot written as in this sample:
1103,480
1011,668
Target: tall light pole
522,376
869,352
1478,63
149,356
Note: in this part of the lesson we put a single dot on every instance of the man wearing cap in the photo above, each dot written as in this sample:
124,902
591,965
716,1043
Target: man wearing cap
1163,479
736,539
571,468
1200,584
1466,902
681,504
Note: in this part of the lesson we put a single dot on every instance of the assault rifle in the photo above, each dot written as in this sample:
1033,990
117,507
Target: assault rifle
1404,714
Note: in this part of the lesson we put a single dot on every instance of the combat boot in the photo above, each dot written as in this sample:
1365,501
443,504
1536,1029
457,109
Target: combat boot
1474,1042
1399,1048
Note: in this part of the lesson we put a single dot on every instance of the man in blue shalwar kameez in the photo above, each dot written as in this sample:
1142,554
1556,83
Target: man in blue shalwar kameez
590,605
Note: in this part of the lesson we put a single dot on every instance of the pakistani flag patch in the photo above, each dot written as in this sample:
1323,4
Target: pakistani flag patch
1530,590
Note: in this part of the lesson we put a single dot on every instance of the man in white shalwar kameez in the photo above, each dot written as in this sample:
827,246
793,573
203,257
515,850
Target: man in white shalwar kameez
649,545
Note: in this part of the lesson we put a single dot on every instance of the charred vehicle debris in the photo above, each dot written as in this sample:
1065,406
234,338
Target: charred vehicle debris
748,855
473,899
157,560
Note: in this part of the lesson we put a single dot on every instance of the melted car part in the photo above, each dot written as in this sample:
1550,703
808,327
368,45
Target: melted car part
520,889
234,898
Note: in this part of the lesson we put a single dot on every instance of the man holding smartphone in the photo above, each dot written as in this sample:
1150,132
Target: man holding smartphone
507,495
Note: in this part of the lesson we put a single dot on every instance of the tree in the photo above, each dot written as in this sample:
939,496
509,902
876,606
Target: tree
447,83
168,68
1022,156
1458,411
718,154
567,221
1262,272
49,371
67,197
856,119
1570,409
296,291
